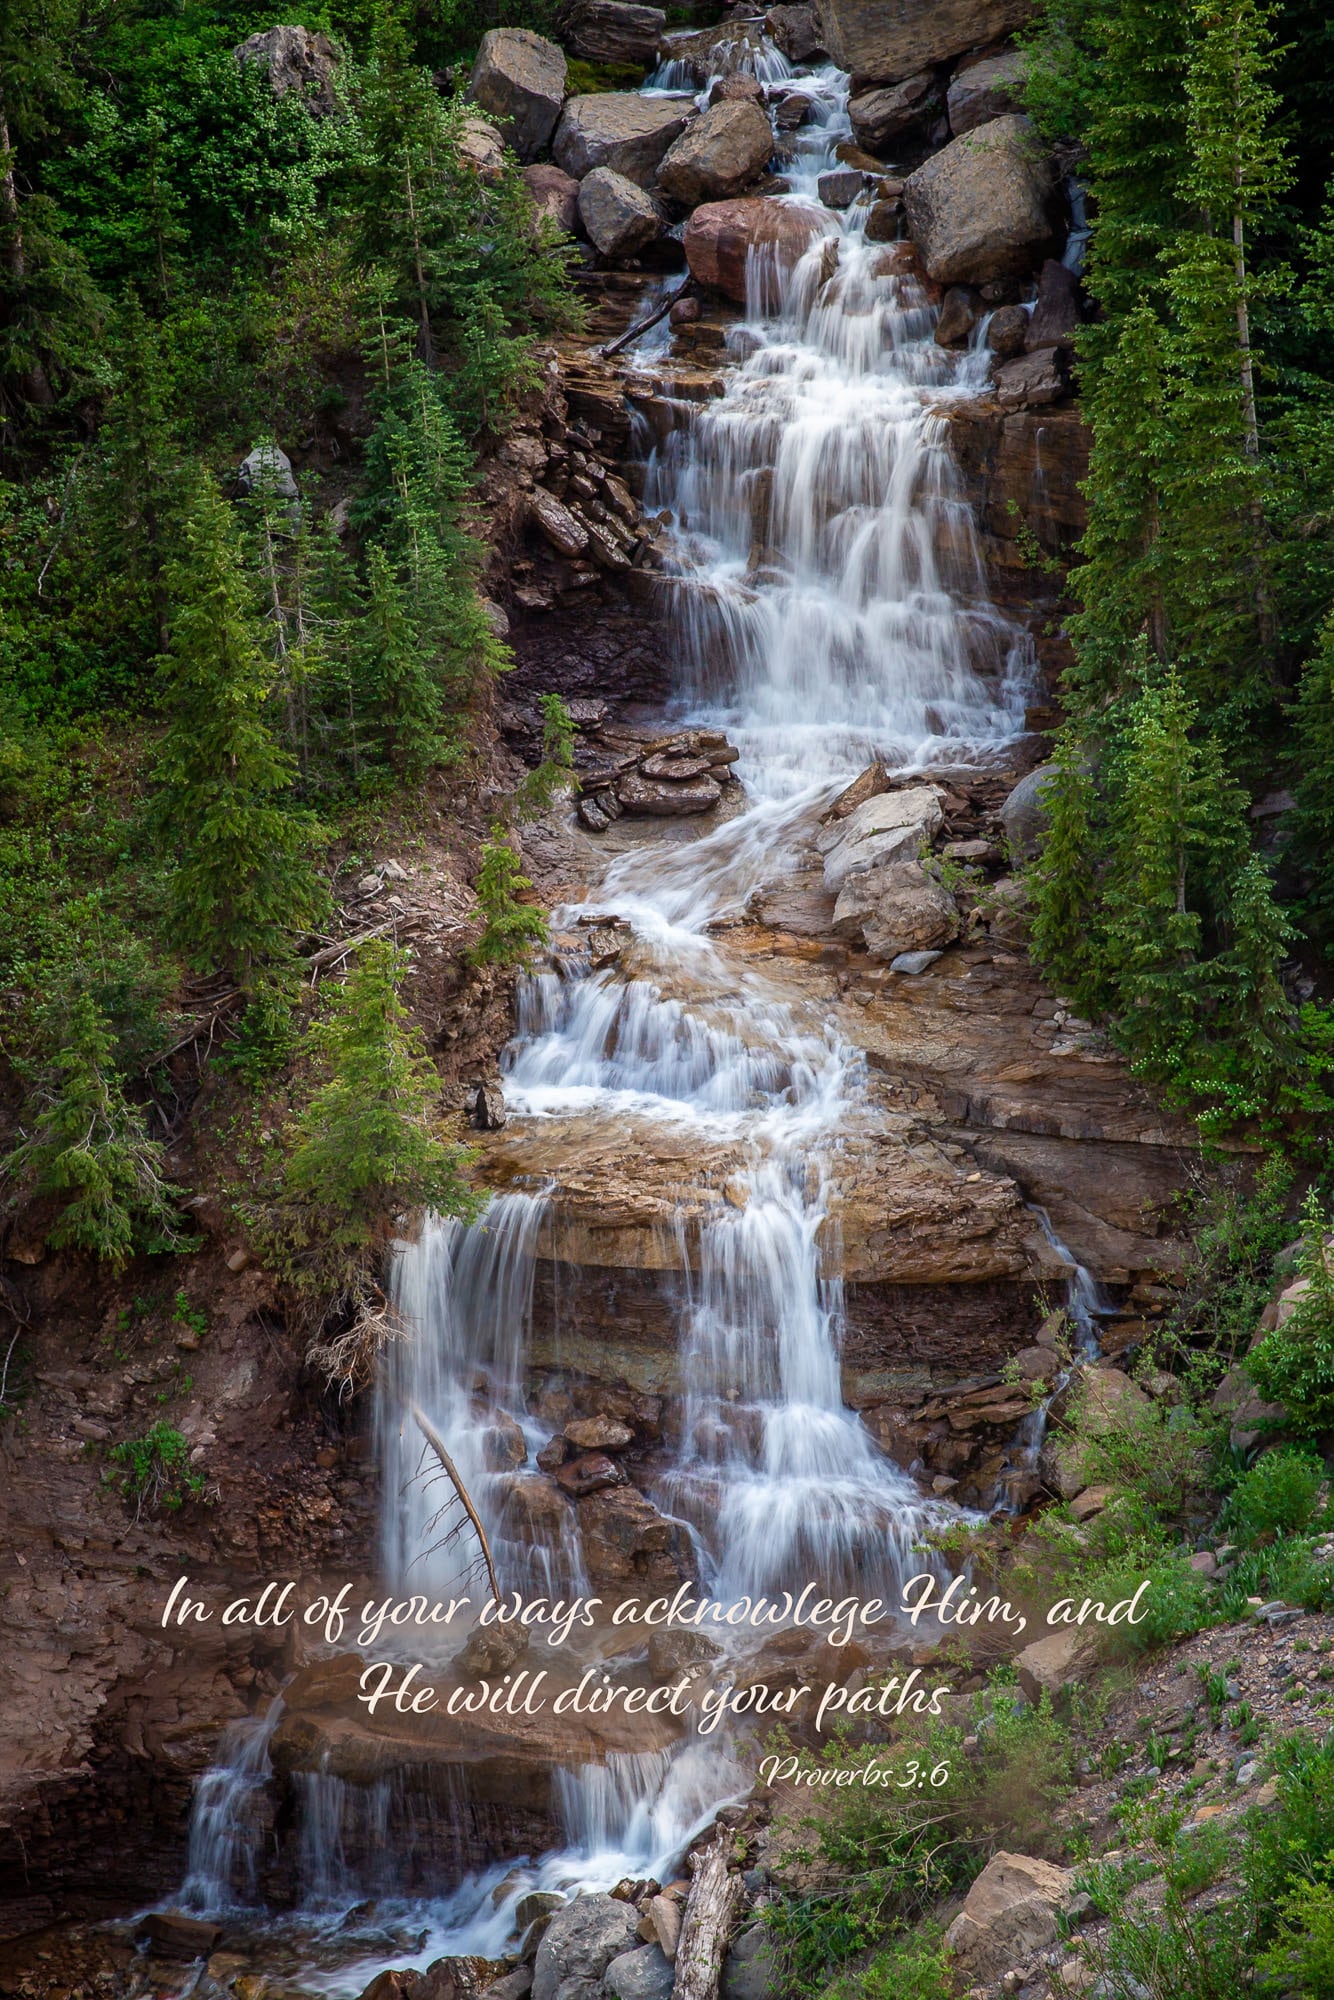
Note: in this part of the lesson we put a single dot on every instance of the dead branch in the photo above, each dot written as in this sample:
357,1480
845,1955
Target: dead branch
437,1444
645,324
710,1913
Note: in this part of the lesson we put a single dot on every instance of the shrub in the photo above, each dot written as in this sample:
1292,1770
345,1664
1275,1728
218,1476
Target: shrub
1294,1364
154,1471
1278,1496
511,928
1301,1959
911,1968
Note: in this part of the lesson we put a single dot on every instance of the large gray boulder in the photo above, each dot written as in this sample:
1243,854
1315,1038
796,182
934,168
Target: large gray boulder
297,59
980,210
718,155
1009,1914
640,1975
612,31
896,908
519,77
986,90
883,44
621,130
619,218
894,111
581,1941
891,826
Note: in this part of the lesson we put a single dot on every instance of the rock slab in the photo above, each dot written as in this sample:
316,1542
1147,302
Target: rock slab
621,130
883,44
979,210
1009,1914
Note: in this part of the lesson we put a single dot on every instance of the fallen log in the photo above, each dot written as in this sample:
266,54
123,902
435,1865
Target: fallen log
645,324
706,1928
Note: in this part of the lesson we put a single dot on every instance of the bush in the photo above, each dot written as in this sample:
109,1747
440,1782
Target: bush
154,1471
1278,1496
1301,1959
511,928
1294,1365
1156,1457
911,1968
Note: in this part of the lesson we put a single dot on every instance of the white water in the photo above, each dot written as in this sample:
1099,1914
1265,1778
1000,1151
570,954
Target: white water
831,608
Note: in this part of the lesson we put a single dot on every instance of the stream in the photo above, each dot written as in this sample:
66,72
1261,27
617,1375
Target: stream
856,625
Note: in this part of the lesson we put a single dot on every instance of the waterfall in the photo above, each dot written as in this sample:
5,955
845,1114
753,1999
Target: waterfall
228,1817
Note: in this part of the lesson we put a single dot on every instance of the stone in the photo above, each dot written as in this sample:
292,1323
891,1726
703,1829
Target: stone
613,31
1023,815
1032,381
910,963
481,145
515,1985
841,187
1008,1914
869,784
750,1969
554,193
986,90
661,1925
1109,1400
1093,1500
879,117
1252,1420
670,1651
1048,1665
888,826
491,1650
1007,332
581,1941
1055,317
267,470
555,521
643,1974
504,1447
736,90
897,908
883,44
720,236
599,1434
718,155
589,1473
627,1540
169,1934
882,221
979,210
959,314
619,218
486,1106
296,59
519,78
647,798
621,130
685,312
796,31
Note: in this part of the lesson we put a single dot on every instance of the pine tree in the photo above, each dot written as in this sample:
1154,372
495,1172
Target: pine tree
1064,878
90,1150
395,681
511,929
365,1148
138,488
1313,822
243,886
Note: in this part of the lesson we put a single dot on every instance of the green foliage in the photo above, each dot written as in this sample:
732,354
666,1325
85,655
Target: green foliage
1278,1496
1294,1364
365,1147
89,1151
1313,822
243,889
511,929
539,791
1301,1958
913,1967
155,1471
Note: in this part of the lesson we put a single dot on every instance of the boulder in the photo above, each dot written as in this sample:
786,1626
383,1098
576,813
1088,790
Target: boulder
556,523
581,1941
491,1650
1055,317
627,1540
1108,1401
170,1934
959,314
986,90
883,44
669,1652
481,145
612,31
896,908
645,1974
621,130
554,193
796,31
1023,815
1032,380
879,117
1048,1665
979,209
890,826
1009,1913
721,236
736,90
619,219
296,59
662,799
882,221
1252,1420
519,77
591,1472
267,470
718,155
1007,332
750,1969
840,187
599,1434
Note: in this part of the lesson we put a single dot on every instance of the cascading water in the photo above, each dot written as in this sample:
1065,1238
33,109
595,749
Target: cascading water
831,608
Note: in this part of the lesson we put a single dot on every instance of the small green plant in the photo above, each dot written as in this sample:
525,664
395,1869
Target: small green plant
1278,1496
511,929
155,1471
1294,1364
1213,1686
1301,1958
913,1967
539,791
188,1316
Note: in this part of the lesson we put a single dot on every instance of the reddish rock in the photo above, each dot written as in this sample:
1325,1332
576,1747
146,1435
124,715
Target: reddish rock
589,1473
626,1539
599,1434
721,235
554,193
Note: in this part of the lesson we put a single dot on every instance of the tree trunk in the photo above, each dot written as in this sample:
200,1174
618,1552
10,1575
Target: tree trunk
36,385
711,1911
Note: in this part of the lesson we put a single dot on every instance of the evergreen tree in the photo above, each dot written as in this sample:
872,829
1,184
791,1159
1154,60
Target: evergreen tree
396,684
511,929
1313,822
365,1148
90,1150
243,885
